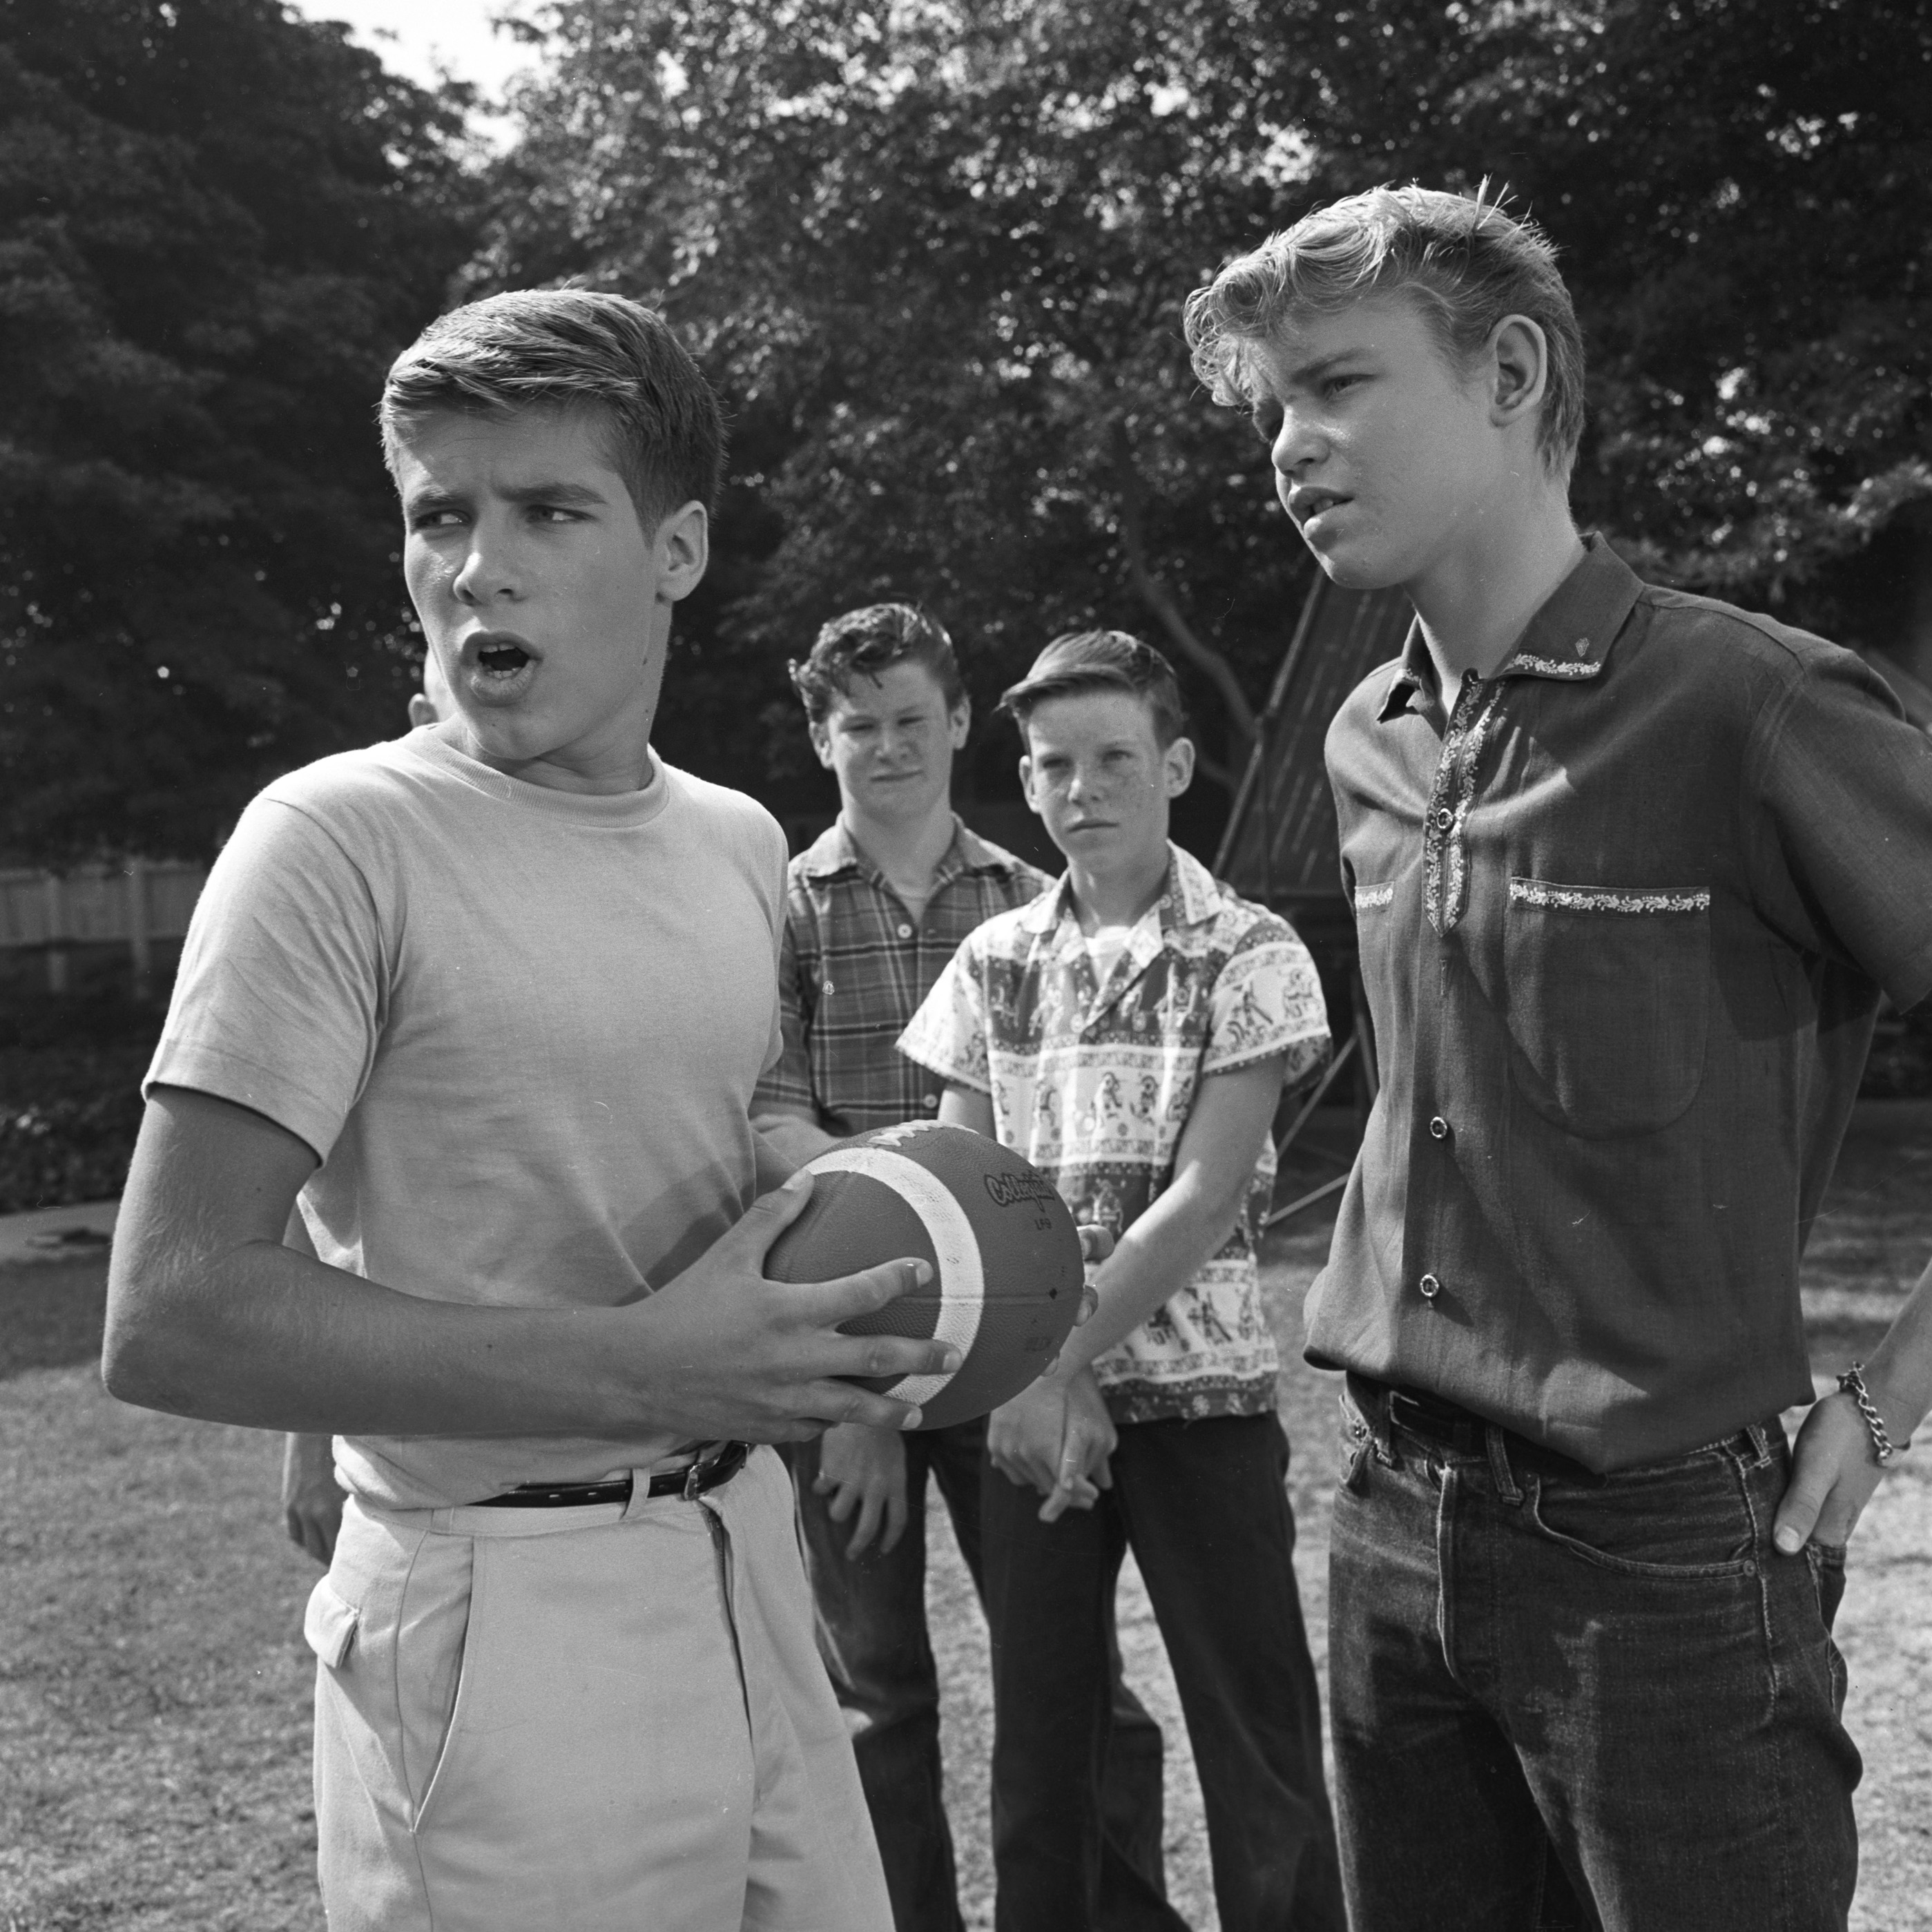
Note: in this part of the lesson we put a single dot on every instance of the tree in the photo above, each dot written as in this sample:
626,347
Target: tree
217,223
936,254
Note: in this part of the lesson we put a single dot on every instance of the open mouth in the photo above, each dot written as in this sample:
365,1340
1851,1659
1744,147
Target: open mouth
1308,504
502,660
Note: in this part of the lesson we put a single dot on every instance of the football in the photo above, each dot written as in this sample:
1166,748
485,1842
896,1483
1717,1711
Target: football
1005,1259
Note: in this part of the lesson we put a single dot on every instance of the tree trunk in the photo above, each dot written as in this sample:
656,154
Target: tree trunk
1173,620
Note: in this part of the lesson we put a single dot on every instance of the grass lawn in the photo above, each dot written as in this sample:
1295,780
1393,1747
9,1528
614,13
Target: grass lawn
154,1685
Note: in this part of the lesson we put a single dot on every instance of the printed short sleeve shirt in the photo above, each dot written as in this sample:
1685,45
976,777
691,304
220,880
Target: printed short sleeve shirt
1093,1083
1623,909
854,966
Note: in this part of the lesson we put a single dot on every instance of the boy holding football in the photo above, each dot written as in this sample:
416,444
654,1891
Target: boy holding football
491,1001
1130,1032
1629,869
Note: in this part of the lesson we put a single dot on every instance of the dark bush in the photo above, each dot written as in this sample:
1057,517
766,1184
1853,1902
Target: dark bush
68,1116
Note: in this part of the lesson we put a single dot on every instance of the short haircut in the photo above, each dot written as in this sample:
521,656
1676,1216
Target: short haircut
1466,262
864,643
571,348
1080,661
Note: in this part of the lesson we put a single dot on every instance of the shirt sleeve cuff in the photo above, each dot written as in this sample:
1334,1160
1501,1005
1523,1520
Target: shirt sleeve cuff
203,1069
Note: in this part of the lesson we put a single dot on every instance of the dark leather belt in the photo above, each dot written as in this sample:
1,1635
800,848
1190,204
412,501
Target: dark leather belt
1448,1425
690,1483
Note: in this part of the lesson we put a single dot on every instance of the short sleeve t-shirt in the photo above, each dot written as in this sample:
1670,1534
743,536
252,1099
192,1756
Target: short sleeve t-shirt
520,1028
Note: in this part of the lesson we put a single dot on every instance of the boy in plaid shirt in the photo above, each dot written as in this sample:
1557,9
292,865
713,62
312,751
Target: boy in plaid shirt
1130,1033
874,909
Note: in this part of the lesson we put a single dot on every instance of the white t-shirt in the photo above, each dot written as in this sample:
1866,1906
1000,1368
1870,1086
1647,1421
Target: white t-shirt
521,1028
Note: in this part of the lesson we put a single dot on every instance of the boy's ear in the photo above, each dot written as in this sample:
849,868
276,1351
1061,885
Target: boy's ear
1519,370
821,735
684,548
1026,785
959,722
1177,766
422,711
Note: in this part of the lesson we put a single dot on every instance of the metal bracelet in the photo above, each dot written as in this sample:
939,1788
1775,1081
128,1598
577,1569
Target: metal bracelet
1853,1381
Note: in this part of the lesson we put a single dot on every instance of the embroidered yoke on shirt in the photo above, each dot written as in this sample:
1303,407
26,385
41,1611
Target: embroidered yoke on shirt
1093,1084
1624,912
856,964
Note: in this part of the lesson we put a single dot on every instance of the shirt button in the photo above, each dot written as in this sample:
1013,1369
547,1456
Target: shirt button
1443,817
930,1100
1430,1287
905,931
1438,1129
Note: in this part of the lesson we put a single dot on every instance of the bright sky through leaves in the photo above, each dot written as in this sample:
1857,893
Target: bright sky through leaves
456,33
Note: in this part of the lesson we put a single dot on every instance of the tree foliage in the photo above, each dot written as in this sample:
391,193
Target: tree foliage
217,223
936,253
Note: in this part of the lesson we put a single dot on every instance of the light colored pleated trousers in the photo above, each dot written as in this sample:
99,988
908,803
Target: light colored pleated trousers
610,1719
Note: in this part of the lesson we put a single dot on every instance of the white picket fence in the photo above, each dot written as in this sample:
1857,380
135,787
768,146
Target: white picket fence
133,902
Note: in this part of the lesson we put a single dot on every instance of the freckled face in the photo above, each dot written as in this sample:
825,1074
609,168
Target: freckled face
1097,774
546,603
890,740
1384,456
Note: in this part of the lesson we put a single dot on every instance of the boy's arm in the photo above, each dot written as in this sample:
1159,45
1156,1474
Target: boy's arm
209,1315
1834,1468
785,1109
1047,1433
311,1497
1194,1214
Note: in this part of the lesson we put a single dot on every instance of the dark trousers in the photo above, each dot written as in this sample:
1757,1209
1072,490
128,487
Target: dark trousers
1204,1507
872,1635
1566,1702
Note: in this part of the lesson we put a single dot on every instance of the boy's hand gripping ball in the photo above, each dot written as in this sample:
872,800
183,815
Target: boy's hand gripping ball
1006,1259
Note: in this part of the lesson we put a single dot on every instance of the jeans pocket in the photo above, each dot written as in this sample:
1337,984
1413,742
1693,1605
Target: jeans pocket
1680,1532
1827,1564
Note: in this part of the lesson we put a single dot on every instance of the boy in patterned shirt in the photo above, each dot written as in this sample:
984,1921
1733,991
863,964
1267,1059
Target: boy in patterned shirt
1131,1033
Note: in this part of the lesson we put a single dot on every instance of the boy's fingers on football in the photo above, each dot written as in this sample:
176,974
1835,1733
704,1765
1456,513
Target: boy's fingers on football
771,1214
1096,1243
846,1401
831,1302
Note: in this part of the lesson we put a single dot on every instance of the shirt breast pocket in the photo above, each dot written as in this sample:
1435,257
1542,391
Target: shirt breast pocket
1609,996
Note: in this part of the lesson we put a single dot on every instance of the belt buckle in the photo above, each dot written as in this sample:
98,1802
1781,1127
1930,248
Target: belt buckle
1398,1402
693,1486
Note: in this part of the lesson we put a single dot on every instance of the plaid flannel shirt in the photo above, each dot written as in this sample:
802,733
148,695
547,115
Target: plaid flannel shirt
855,966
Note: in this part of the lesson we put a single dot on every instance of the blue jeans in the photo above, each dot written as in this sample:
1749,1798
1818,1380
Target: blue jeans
872,1635
1561,1701
1205,1507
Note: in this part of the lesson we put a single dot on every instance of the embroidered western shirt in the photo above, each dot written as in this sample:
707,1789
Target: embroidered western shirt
854,965
1625,909
1093,1084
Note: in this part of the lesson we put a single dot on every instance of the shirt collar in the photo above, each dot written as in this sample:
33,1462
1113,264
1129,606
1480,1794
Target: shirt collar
1192,896
1567,642
832,853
